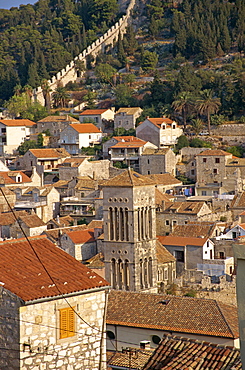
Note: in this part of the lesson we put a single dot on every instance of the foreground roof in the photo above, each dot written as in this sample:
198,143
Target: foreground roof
184,354
123,360
81,236
182,240
171,313
10,177
128,178
20,267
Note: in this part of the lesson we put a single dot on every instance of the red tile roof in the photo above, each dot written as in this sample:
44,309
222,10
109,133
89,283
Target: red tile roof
127,138
7,177
189,354
17,122
92,112
163,255
23,274
81,236
50,153
181,240
85,128
128,178
180,314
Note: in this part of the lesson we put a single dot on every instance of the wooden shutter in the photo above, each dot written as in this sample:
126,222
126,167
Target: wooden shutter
67,323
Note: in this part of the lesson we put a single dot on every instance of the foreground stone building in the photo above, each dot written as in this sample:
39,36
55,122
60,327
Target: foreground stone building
49,323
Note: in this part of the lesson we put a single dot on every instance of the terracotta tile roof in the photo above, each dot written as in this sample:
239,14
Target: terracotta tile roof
54,234
96,262
194,229
129,144
7,218
92,112
72,162
238,200
180,314
81,236
164,179
17,122
181,240
64,118
137,361
189,354
96,224
85,128
65,221
50,153
163,255
185,207
127,138
158,121
129,111
211,152
9,177
85,183
32,282
32,221
61,184
160,197
151,151
128,178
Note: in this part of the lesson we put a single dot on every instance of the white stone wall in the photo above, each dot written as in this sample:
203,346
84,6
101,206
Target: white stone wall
15,135
40,329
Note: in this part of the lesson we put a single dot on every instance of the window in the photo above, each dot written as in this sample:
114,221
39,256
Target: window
4,130
148,161
192,172
174,127
215,171
89,136
165,274
217,160
174,223
180,256
167,222
204,160
149,172
67,322
221,255
204,192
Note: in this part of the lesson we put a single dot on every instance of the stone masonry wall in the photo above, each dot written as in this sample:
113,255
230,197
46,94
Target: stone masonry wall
40,331
9,330
68,73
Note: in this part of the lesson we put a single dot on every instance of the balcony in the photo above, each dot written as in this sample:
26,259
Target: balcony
26,204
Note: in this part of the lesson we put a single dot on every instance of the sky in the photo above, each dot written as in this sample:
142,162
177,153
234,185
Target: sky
7,4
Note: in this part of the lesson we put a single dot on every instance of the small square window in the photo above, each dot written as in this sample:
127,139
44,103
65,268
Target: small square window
215,171
192,172
217,160
167,222
204,160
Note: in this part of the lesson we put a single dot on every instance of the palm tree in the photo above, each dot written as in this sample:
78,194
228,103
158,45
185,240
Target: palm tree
197,125
60,96
208,104
46,94
183,104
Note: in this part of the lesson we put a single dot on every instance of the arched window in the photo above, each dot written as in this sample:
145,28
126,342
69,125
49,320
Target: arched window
126,275
111,231
150,278
113,273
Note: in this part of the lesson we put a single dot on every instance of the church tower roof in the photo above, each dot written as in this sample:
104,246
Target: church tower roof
129,178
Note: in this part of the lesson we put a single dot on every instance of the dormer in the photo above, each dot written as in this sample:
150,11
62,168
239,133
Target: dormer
173,125
163,126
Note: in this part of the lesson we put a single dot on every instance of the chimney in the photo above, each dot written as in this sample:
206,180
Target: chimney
75,222
144,344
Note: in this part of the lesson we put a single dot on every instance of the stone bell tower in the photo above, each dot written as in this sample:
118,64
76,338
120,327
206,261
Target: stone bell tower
129,245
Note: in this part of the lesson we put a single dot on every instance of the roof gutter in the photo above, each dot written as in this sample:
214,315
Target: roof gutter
66,295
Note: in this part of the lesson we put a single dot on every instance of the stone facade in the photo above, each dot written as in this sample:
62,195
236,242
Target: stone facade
157,161
94,169
126,118
129,245
39,333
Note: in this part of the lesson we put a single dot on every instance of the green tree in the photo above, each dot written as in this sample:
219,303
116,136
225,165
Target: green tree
60,97
149,60
208,104
183,104
26,145
197,125
105,73
182,142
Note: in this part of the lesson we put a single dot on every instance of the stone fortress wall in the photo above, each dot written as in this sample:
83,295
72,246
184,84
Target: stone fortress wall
109,39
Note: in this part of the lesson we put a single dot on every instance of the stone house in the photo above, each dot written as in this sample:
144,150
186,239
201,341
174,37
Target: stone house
166,266
149,316
6,193
126,117
127,150
7,219
186,162
77,136
13,132
165,182
154,161
46,318
45,160
180,213
238,205
65,187
97,116
44,201
54,124
218,172
159,131
76,167
80,244
172,350
197,229
19,178
188,251
31,224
